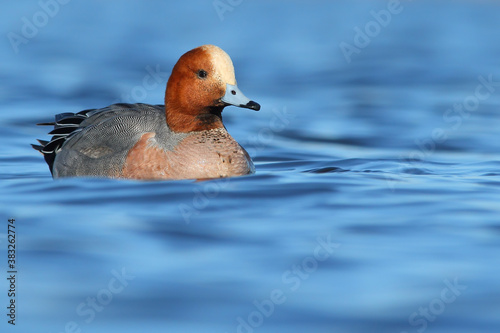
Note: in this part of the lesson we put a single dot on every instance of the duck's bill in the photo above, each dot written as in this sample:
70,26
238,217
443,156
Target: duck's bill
235,97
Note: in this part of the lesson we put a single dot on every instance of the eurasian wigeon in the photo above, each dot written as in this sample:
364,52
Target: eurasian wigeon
184,139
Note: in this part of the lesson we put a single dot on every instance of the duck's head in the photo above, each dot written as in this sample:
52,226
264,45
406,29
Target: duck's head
201,85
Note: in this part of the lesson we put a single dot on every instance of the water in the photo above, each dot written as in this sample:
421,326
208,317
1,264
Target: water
375,203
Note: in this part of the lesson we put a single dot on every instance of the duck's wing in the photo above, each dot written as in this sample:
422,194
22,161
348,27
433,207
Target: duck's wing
95,142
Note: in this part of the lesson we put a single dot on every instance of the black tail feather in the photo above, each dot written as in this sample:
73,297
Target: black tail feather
64,125
37,147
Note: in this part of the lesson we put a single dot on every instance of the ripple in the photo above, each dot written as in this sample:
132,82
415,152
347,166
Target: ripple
327,170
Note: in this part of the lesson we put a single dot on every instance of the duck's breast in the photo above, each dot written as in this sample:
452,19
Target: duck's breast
203,154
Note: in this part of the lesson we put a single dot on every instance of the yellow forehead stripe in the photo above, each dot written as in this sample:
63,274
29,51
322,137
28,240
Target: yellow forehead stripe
223,65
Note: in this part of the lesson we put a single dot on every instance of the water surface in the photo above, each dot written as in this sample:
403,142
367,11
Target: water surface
374,208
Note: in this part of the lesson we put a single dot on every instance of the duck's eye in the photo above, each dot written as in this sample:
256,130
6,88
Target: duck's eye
202,74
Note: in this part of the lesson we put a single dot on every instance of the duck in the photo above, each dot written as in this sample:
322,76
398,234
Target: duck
183,139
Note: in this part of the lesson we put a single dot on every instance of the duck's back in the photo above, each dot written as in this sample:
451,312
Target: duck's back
96,142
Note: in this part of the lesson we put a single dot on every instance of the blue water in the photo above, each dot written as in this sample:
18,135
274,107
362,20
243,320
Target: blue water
374,208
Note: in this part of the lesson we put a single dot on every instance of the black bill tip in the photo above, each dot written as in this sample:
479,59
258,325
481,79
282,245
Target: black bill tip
252,105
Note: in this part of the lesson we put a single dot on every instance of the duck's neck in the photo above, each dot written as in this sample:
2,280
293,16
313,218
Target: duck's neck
181,119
